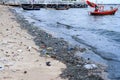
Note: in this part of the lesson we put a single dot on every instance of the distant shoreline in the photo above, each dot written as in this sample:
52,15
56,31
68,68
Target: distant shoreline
109,4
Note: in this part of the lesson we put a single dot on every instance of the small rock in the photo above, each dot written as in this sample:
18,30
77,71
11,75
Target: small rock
25,72
7,29
7,55
1,49
12,52
6,52
37,61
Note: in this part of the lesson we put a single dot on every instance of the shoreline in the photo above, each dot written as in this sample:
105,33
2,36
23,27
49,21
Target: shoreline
60,50
63,52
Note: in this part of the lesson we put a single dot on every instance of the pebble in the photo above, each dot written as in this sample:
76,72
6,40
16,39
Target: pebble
7,29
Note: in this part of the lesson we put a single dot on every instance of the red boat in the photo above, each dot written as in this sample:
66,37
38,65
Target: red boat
91,4
107,12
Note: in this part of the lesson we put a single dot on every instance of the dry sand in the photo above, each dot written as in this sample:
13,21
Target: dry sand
19,58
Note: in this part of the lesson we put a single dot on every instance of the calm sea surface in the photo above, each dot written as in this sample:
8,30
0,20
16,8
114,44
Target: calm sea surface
100,33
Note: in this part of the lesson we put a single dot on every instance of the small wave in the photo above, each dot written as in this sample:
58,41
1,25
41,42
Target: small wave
106,56
113,35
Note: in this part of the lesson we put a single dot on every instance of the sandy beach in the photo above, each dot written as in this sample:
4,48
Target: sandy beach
19,56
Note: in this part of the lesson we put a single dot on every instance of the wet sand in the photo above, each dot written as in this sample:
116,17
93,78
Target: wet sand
26,49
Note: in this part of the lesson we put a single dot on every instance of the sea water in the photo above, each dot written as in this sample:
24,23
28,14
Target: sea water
100,33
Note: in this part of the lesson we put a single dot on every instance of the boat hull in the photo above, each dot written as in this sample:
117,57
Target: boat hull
31,6
110,12
61,8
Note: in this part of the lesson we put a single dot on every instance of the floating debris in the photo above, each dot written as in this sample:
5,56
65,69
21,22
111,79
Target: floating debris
25,72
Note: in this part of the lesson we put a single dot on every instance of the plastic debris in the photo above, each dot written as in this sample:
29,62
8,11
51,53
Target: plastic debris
49,48
19,50
43,52
48,63
29,47
43,46
90,66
